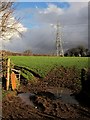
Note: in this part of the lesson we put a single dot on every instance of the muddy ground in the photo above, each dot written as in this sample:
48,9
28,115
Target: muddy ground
58,96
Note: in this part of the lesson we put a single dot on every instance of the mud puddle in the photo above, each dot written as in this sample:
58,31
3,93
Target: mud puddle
26,98
64,94
61,94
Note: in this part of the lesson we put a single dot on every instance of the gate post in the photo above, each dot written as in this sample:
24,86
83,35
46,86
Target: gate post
8,74
83,78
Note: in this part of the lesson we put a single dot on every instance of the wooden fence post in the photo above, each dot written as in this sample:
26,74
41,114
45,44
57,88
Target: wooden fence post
83,78
8,74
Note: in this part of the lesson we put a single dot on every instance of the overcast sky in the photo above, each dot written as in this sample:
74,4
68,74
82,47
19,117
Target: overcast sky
40,21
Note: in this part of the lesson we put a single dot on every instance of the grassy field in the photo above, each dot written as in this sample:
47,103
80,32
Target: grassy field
43,64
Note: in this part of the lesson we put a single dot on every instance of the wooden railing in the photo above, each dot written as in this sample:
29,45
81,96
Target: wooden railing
11,75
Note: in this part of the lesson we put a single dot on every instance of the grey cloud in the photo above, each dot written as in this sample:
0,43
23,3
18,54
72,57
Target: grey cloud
41,39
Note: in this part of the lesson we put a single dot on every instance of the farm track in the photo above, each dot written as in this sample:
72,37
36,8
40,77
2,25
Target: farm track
14,108
47,116
83,111
31,71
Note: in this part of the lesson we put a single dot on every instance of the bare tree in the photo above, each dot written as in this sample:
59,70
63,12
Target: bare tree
8,24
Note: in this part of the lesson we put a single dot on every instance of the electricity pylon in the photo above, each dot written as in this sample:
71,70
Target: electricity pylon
59,48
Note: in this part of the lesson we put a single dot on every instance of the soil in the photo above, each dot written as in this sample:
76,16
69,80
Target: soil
58,96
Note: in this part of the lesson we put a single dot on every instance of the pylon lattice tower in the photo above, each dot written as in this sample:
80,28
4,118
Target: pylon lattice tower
59,48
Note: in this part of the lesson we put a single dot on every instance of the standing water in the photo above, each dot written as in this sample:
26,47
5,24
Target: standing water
59,93
26,98
63,94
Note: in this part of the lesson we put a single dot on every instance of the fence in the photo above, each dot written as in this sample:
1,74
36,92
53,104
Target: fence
85,80
10,76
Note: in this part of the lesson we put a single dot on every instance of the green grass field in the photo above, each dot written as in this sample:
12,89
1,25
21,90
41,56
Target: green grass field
43,64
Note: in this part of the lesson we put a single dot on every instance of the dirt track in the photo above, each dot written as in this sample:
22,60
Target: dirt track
48,102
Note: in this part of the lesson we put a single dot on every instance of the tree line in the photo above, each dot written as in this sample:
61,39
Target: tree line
80,51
